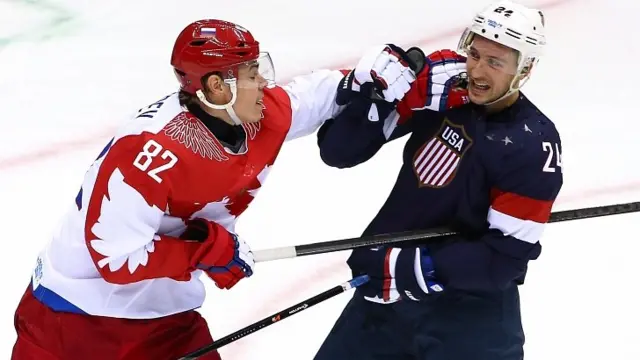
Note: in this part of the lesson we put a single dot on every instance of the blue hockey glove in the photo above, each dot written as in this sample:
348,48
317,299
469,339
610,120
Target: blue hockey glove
395,273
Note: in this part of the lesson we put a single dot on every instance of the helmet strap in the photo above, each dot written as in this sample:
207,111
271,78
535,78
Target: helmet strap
228,107
519,80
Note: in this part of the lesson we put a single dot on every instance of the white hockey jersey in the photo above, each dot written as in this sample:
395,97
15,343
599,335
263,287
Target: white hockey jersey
116,252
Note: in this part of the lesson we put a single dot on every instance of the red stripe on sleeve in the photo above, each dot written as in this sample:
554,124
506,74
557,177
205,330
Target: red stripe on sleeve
386,287
521,207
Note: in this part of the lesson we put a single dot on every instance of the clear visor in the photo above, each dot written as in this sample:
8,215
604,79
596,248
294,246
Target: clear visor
256,73
266,68
486,55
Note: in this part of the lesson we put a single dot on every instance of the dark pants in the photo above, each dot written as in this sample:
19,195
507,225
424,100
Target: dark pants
449,326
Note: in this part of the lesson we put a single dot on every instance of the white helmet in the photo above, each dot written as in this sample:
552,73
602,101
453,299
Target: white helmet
512,25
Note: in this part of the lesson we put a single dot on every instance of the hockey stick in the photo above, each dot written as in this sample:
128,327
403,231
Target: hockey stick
438,233
346,286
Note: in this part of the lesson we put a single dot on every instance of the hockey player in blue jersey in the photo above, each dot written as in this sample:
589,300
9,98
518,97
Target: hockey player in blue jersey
480,159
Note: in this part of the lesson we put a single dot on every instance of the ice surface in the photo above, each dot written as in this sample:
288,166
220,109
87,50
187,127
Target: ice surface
61,96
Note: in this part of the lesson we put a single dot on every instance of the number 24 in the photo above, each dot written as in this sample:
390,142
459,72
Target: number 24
149,151
547,147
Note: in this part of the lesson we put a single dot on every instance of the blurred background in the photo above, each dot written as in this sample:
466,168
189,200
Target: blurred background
71,71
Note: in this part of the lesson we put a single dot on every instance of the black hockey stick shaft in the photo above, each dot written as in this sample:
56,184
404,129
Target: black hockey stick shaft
346,286
438,233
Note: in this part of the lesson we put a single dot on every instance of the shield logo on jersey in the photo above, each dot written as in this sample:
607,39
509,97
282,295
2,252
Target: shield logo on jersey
436,162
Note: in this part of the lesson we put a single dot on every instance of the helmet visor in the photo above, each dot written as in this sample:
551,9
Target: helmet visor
255,73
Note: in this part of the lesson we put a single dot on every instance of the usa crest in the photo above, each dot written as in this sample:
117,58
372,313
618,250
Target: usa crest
436,162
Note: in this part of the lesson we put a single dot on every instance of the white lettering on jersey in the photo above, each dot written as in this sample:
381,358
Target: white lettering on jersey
150,150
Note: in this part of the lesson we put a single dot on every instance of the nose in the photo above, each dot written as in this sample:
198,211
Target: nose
476,69
262,82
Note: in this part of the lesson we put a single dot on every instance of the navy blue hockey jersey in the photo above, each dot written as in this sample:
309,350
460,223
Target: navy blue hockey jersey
491,177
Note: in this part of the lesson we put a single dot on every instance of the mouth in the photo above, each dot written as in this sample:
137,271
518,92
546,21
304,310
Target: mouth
479,87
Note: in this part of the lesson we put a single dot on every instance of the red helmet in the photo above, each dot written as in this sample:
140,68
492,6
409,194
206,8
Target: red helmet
207,46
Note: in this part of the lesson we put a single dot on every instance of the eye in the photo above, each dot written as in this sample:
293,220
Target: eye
495,63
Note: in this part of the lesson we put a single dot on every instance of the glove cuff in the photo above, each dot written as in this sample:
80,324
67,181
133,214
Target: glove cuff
406,280
414,274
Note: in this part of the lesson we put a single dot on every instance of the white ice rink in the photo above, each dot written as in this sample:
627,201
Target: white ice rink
72,70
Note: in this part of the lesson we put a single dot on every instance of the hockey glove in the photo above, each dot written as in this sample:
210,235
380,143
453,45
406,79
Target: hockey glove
383,74
441,85
224,257
395,273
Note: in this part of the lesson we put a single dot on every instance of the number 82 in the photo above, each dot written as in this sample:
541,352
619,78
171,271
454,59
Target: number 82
149,151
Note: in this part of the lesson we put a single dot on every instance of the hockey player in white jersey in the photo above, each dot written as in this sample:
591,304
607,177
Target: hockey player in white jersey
120,278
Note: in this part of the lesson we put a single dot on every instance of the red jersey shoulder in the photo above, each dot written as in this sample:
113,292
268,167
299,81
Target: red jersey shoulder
169,122
188,136
141,158
277,113
148,158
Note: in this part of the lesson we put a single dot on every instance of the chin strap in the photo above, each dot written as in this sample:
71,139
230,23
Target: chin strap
516,84
228,106
525,65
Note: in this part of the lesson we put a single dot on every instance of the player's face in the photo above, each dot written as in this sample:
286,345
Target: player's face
491,68
251,84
